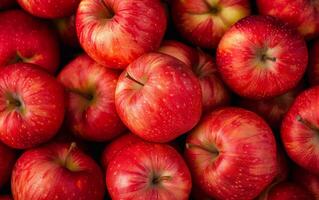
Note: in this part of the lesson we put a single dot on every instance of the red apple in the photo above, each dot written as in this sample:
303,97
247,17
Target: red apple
158,98
115,33
307,179
57,171
300,14
24,38
214,93
67,31
49,8
204,22
232,154
90,87
150,172
7,160
5,4
117,146
313,70
260,57
274,109
300,130
287,191
31,105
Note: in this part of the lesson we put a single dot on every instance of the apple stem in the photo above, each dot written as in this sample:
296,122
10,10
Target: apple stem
132,79
68,154
307,124
265,57
89,97
189,145
158,180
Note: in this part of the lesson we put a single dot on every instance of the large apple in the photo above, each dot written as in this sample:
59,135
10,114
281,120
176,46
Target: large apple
204,22
309,180
115,33
57,172
232,154
300,130
49,8
214,92
274,109
158,97
148,171
260,57
313,70
90,88
24,38
300,14
7,160
31,105
67,32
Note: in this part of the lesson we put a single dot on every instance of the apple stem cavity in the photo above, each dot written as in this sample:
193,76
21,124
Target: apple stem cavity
68,154
213,150
265,58
108,12
307,124
157,180
132,79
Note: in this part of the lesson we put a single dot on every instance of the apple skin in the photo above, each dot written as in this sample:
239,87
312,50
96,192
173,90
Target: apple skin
274,109
313,70
50,9
115,33
117,146
204,22
214,92
148,171
300,14
300,129
232,154
287,191
24,38
91,111
67,31
7,160
260,57
158,98
307,179
61,171
31,105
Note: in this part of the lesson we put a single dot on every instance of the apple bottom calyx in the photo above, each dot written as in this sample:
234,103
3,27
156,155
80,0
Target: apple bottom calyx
13,102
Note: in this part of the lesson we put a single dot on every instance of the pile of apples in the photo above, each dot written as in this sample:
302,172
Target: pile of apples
159,99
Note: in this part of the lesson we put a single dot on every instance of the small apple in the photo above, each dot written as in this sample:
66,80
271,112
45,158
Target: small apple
232,154
260,57
56,171
115,33
300,130
90,88
214,92
49,8
308,180
117,146
24,38
313,70
148,171
67,31
300,14
204,22
31,105
158,97
7,160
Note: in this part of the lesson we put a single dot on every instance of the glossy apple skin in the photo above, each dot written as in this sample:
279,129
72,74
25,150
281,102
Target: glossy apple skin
60,171
287,191
117,146
27,39
313,70
232,154
40,112
308,180
300,129
214,92
167,102
67,31
260,57
115,41
7,160
300,14
197,22
91,111
274,109
48,8
131,173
